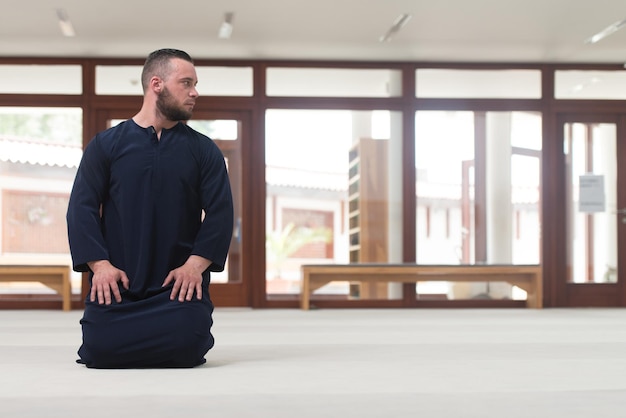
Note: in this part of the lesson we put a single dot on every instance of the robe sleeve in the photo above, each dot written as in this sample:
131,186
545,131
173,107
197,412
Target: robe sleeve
213,239
83,214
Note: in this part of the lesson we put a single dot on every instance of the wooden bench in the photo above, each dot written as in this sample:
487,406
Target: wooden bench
526,277
56,277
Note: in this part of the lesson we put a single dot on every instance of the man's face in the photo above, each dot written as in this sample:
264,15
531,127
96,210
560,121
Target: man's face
178,96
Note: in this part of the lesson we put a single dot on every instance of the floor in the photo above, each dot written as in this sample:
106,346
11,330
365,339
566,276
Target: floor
336,363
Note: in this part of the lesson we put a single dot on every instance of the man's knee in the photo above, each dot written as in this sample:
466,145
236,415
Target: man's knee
184,347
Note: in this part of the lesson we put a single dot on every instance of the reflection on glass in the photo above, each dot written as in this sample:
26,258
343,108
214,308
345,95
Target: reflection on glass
328,195
478,181
40,149
591,165
589,85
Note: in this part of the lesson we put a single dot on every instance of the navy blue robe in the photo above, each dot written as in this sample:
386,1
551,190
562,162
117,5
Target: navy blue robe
137,201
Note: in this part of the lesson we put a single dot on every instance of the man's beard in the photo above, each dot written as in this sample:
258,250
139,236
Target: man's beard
169,109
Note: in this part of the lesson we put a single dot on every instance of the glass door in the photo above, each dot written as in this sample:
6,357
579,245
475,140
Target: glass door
595,211
477,198
227,129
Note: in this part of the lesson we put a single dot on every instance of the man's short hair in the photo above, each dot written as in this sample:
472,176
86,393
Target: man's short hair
157,64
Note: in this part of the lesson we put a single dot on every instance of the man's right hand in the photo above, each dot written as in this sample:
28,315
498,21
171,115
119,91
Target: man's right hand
104,282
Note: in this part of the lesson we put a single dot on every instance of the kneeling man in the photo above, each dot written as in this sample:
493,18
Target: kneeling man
149,217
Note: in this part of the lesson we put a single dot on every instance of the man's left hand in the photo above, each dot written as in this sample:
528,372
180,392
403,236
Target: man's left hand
187,279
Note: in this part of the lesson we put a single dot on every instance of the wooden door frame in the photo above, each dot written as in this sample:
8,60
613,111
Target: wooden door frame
562,293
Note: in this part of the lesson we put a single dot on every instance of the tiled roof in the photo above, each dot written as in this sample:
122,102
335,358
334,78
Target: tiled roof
39,153
307,179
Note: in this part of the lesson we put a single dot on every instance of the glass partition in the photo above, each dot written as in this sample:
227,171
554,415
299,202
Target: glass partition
589,85
40,149
119,80
333,82
590,150
478,188
333,195
488,84
40,79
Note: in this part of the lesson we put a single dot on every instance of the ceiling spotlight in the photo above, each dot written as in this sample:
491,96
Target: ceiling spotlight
395,27
609,30
65,24
226,28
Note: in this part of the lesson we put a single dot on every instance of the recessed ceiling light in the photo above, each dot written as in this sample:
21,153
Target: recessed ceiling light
65,24
395,27
609,30
226,28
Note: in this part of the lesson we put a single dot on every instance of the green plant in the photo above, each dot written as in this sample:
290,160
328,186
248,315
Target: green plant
281,244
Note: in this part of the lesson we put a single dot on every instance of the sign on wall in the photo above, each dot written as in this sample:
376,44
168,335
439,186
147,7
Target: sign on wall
591,193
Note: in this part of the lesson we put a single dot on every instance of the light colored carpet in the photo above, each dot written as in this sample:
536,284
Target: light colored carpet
336,363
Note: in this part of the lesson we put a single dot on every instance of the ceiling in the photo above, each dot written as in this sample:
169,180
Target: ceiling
440,30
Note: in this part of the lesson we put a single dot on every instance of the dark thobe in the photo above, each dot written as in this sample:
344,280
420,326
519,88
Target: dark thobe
137,201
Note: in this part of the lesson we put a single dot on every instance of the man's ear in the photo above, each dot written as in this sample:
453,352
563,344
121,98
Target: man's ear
156,84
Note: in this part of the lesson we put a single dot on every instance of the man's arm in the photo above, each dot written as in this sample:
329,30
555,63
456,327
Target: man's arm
83,212
213,239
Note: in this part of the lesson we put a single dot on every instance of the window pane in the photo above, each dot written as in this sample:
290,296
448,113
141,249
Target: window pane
40,149
488,84
590,151
225,81
41,79
477,215
223,129
599,85
122,80
333,82
212,81
333,195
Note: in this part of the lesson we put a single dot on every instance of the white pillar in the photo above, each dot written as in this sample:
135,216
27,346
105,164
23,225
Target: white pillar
499,204
394,187
395,198
605,238
361,125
